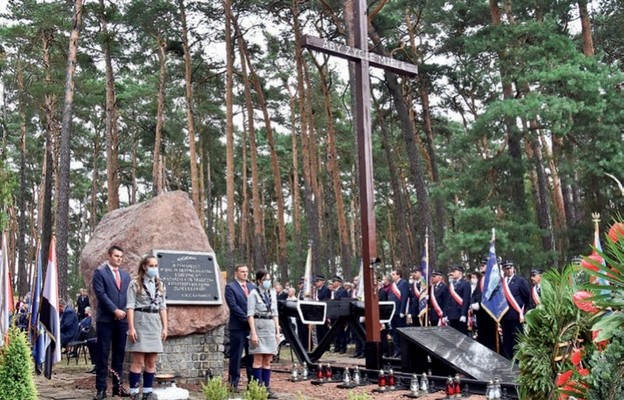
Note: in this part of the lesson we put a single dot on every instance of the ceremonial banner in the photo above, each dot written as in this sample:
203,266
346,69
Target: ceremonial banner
6,308
37,339
493,300
50,313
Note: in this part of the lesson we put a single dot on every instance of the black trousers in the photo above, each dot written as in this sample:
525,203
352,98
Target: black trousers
458,325
511,328
487,330
238,344
111,339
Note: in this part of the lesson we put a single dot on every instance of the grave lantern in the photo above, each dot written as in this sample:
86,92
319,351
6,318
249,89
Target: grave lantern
381,382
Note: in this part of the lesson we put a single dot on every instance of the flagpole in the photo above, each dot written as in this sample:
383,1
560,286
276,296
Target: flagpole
427,272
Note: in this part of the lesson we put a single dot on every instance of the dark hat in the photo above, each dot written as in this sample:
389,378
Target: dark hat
508,264
536,271
301,280
319,278
484,260
436,272
336,278
458,268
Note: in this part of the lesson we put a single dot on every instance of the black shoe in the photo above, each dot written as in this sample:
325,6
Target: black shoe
272,395
101,394
396,355
358,355
361,356
93,371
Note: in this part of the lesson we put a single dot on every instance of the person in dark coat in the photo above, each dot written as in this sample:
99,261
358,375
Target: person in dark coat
82,302
418,290
398,293
236,293
536,289
517,292
338,292
322,294
459,300
69,323
438,298
110,285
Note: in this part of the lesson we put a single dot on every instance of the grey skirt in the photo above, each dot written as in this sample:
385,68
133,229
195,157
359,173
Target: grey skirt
149,330
267,344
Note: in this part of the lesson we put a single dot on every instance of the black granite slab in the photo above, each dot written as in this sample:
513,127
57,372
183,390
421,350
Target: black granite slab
451,350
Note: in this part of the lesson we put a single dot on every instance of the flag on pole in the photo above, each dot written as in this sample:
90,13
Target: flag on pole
493,300
49,314
598,250
424,270
307,275
36,331
359,289
6,308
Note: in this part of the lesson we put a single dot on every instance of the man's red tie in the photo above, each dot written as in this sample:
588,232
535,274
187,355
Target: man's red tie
117,278
244,285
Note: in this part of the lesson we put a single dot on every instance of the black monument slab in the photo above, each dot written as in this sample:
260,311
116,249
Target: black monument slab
451,351
190,277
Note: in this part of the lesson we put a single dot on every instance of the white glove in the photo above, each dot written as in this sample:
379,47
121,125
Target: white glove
402,315
409,319
462,318
475,306
445,320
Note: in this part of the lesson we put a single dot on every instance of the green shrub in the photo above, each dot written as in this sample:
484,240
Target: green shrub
606,381
215,389
256,391
16,369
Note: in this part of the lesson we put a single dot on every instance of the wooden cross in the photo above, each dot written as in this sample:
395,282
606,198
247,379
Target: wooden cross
362,59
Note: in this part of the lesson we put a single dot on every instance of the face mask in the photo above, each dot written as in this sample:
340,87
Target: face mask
266,285
411,281
151,272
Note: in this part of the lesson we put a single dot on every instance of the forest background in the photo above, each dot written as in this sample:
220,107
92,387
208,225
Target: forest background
513,122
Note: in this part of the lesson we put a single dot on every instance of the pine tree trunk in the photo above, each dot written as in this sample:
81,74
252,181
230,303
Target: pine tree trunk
588,42
277,179
50,133
190,114
21,243
257,243
294,182
244,218
415,161
94,182
229,138
334,171
112,137
64,194
157,166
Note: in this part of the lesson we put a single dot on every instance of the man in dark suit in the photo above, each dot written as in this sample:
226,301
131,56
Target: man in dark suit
82,302
517,292
459,300
536,290
438,297
110,285
339,292
398,293
236,293
322,294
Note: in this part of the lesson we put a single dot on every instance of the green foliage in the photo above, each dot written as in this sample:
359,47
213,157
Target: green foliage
556,320
354,395
606,381
215,389
17,369
8,183
256,391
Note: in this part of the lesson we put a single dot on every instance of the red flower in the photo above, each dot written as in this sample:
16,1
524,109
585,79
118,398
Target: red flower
589,265
582,300
575,357
563,378
583,371
600,345
616,232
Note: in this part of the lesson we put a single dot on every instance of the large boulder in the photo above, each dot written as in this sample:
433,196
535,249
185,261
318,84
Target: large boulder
166,222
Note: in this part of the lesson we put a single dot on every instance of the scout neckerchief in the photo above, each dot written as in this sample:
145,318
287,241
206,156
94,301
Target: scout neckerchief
266,299
154,299
510,299
454,294
536,296
436,306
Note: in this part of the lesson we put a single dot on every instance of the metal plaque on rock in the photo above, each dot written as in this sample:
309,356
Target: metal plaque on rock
190,277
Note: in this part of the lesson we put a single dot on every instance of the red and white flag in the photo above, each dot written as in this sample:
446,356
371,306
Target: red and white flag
50,313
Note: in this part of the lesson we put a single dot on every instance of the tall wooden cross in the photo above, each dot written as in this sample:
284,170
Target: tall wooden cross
362,59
